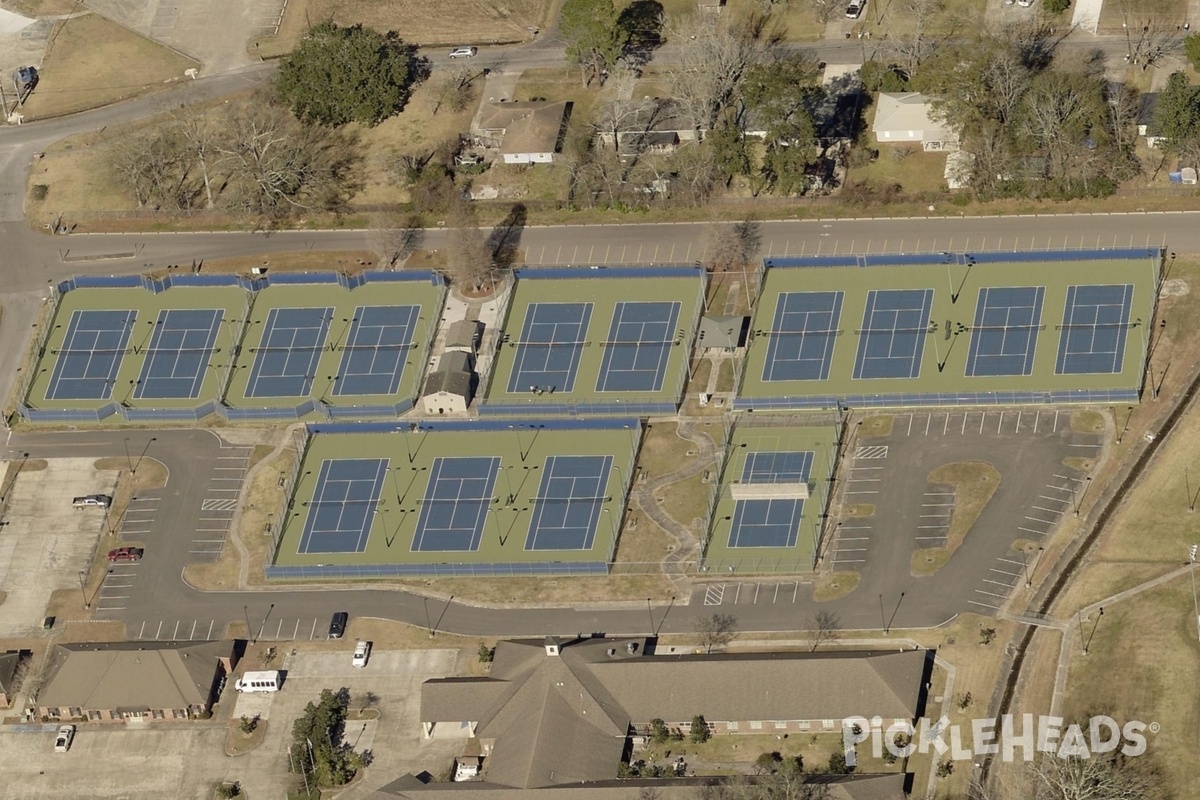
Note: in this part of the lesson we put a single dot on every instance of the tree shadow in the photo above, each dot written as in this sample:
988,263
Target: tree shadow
642,22
504,241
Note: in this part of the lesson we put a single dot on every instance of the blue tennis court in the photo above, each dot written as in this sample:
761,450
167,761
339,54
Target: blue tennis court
567,508
179,352
343,505
92,350
892,338
802,336
285,361
1094,328
1005,334
456,502
771,522
638,347
551,344
376,347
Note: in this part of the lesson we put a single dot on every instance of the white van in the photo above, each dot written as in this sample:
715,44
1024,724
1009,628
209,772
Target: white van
254,682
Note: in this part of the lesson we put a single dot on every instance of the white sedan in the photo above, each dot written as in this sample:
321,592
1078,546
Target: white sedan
66,735
362,651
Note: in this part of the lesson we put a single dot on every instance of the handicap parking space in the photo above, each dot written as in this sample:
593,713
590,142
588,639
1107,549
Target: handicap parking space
221,496
752,593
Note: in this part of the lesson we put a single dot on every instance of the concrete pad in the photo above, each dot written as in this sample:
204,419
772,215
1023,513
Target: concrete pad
47,542
12,22
215,32
21,46
116,762
394,739
1086,16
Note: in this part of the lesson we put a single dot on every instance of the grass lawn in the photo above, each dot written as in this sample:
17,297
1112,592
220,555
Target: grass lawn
663,450
907,165
44,8
686,501
447,23
415,130
77,178
1141,666
92,62
974,484
642,541
957,16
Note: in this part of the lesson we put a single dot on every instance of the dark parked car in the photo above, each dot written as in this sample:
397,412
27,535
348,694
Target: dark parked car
337,625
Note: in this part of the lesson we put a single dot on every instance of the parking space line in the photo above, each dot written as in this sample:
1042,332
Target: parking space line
930,538
985,605
1039,519
1031,530
1054,499
737,595
1068,478
998,583
1010,561
991,594
211,622
1048,510
1074,444
862,491
1004,572
910,422
757,586
854,539
713,595
856,527
159,631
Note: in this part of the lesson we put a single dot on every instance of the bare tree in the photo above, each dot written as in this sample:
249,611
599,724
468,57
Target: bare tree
1107,776
731,248
711,62
1151,32
716,631
913,38
151,165
197,130
454,89
468,260
394,240
826,628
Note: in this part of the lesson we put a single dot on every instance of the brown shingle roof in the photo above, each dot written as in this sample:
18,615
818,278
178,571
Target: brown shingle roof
527,127
132,675
767,686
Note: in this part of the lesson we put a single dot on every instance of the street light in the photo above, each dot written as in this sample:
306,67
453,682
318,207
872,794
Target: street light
1087,482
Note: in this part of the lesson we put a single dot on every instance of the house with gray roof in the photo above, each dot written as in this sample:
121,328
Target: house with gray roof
119,681
559,712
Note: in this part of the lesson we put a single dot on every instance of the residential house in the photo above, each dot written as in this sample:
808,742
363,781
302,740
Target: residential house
560,712
907,117
1147,126
120,681
528,132
651,125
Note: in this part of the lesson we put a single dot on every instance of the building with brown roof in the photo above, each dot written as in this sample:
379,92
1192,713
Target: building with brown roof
119,681
555,712
527,132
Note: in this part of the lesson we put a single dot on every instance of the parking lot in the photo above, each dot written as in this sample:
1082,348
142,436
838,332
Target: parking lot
46,542
1027,447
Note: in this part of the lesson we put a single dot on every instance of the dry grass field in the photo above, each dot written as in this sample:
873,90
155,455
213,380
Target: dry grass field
92,62
448,22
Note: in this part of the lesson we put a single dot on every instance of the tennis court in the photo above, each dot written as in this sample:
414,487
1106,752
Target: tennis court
774,491
286,360
343,504
638,346
568,504
892,337
951,329
373,359
476,497
91,354
803,333
572,343
456,503
1094,327
183,347
551,344
180,350
1005,334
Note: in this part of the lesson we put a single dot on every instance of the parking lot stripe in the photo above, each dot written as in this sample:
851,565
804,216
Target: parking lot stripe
854,539
157,632
852,550
211,622
1093,446
1004,572
985,605
862,491
1038,519
998,583
1054,499
930,538
1031,530
910,422
991,594
1048,510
